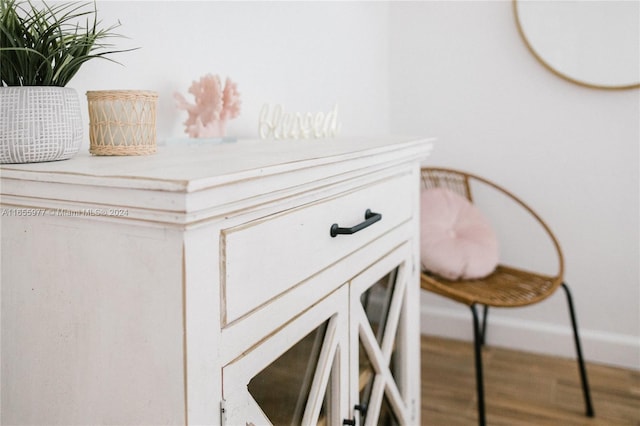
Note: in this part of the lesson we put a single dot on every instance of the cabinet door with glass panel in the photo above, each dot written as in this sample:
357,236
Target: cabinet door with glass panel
297,375
343,361
384,361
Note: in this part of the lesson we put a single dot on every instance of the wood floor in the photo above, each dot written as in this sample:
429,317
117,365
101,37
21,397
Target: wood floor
521,388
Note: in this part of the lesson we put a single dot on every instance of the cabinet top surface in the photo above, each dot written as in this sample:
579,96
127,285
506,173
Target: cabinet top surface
193,165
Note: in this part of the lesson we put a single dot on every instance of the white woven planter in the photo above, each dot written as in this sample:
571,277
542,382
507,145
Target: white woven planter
39,124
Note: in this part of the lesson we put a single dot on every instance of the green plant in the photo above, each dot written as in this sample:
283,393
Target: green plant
47,45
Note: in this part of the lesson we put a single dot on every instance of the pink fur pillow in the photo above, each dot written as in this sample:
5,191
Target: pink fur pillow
456,240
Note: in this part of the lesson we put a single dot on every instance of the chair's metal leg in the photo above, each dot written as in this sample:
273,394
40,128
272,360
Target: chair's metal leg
485,312
477,339
583,371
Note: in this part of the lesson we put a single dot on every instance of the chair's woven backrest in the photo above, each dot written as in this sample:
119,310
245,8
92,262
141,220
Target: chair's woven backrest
461,183
452,180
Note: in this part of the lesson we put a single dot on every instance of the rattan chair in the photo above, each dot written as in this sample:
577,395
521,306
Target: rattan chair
505,287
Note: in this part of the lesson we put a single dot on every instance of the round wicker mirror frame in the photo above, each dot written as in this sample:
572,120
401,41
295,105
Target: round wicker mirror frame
557,72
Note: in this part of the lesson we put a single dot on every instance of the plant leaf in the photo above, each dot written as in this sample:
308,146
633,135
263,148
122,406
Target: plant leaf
47,45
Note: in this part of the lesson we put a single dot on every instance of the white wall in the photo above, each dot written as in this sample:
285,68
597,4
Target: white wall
454,70
460,72
305,56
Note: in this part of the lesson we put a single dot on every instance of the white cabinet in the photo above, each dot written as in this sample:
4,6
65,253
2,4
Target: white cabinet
202,285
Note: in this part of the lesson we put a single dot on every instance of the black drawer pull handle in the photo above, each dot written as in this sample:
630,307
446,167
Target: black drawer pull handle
369,219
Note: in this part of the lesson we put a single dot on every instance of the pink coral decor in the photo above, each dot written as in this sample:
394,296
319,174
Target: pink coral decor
213,107
456,240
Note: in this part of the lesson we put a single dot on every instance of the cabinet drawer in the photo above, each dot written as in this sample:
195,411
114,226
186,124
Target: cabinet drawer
264,258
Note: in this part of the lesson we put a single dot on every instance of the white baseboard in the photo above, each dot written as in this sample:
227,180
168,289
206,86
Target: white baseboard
603,348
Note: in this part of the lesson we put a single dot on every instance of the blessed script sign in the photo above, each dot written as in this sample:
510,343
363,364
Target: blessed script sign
275,123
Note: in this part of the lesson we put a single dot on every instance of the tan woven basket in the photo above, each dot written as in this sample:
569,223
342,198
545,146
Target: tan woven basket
122,122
